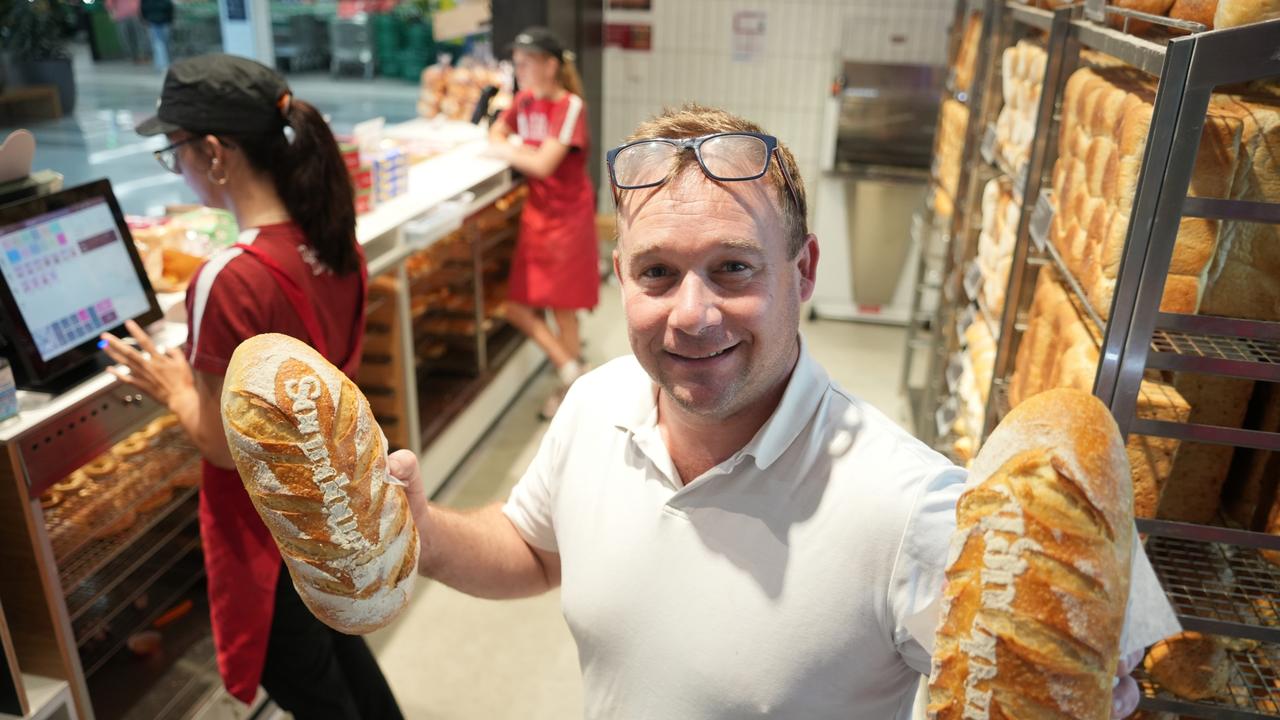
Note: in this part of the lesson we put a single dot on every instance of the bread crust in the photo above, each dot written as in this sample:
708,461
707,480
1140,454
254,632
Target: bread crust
1038,572
313,461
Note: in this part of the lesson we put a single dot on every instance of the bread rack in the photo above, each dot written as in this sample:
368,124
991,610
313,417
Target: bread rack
1213,575
937,266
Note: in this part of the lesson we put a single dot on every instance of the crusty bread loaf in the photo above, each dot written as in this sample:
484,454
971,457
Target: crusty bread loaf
1231,13
1200,11
967,53
1151,7
1190,665
952,123
1038,573
314,463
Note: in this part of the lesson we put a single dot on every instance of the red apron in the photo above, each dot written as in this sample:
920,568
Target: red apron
241,559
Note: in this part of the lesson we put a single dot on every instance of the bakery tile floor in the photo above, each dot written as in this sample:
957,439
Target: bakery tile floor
453,656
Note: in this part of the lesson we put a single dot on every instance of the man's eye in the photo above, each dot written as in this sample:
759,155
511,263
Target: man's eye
654,273
735,267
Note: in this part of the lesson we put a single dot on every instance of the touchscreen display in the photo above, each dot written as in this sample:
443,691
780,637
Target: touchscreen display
71,275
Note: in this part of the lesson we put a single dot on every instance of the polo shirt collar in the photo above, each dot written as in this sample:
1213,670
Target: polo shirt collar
805,389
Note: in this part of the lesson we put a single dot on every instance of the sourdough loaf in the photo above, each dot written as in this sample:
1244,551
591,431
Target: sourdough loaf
1190,665
314,464
1038,572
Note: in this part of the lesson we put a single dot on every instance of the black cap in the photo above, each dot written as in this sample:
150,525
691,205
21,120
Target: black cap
219,94
538,39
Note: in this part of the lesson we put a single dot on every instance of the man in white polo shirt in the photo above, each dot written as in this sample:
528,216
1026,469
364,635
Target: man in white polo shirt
734,535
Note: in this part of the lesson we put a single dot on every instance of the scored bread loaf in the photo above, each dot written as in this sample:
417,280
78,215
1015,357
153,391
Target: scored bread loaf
1038,571
314,462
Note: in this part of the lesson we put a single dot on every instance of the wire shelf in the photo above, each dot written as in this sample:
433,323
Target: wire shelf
1253,689
110,631
1211,346
133,598
93,551
1219,588
173,527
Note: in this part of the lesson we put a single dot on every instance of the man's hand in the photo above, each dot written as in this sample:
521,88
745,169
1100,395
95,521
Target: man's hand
163,374
476,551
1125,695
402,465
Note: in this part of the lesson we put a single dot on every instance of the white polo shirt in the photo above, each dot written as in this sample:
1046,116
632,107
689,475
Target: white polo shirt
776,584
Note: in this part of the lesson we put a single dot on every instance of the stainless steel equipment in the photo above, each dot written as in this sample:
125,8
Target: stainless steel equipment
882,117
887,114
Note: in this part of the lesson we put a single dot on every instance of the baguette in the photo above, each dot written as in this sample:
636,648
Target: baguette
314,464
1038,573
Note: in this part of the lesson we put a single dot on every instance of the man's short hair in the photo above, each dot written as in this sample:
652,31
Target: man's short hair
693,120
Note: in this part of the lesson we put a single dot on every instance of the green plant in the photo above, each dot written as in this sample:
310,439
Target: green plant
35,29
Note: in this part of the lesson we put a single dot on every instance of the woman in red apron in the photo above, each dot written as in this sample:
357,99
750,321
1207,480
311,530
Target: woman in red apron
556,263
226,119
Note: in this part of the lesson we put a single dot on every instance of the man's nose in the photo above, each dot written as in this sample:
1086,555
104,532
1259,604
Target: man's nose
697,306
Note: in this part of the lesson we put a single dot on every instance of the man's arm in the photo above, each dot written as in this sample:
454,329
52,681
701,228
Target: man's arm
478,552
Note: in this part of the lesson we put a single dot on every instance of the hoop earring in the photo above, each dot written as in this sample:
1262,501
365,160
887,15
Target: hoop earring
216,181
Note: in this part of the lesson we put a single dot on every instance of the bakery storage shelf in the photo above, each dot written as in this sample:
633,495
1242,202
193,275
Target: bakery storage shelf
1217,577
103,562
1005,24
1216,586
972,36
461,336
1139,335
1250,687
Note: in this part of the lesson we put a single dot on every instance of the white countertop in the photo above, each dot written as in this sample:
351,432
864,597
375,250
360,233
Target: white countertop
434,181
430,183
42,693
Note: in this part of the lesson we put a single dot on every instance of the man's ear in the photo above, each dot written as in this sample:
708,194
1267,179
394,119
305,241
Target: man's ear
807,263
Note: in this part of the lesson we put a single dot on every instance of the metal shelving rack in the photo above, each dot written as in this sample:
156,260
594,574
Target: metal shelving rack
1214,576
932,333
1139,336
1003,25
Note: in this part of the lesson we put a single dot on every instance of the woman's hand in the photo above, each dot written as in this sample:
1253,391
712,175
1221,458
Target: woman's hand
164,374
1125,695
499,150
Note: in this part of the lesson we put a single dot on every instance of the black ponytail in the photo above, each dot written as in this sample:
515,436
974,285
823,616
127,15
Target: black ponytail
312,181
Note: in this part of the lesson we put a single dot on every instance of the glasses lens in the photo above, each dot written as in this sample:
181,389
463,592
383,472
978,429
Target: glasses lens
642,164
168,159
735,157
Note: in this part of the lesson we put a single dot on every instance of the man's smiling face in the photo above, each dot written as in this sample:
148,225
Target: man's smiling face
712,297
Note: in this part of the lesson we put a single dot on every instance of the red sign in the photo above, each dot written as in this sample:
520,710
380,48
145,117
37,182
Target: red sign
629,36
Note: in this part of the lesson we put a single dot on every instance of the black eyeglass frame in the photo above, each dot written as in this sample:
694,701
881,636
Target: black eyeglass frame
695,144
173,149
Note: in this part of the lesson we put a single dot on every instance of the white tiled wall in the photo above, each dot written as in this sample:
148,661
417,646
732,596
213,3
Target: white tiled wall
784,90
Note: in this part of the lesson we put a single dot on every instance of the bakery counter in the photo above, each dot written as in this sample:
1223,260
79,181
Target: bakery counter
99,534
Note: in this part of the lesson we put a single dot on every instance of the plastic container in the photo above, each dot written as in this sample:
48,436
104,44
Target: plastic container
439,221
